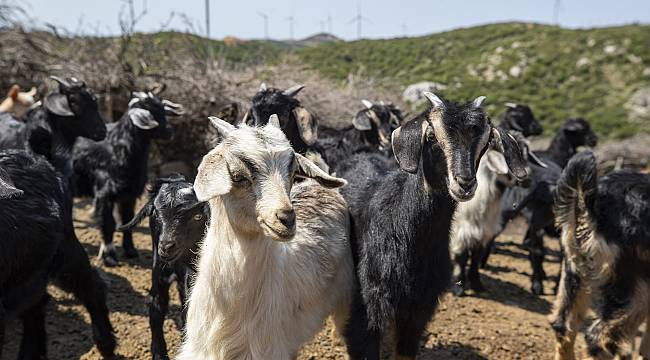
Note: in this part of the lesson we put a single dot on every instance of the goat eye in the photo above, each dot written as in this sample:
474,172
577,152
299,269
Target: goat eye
198,217
238,178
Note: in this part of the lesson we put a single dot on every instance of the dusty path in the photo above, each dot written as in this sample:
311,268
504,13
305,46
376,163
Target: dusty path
505,322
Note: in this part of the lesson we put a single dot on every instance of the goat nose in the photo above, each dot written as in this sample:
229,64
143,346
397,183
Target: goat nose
287,217
466,182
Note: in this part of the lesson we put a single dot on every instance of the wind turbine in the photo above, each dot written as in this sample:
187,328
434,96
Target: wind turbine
291,21
359,19
266,24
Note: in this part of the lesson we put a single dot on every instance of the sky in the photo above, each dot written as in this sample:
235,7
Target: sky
383,18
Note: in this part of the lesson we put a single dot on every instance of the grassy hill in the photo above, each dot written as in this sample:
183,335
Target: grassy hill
559,72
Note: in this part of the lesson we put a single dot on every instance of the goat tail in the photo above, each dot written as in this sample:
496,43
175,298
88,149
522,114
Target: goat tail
143,213
575,195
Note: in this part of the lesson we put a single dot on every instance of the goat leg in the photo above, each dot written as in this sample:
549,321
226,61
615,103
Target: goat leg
2,327
472,274
77,276
568,314
535,243
458,275
363,342
33,345
158,306
620,312
104,216
125,208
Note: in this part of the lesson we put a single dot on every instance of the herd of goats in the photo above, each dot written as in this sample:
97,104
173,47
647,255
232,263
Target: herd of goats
288,222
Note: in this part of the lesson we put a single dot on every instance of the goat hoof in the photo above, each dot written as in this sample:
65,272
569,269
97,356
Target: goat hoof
110,261
131,253
458,290
537,288
477,287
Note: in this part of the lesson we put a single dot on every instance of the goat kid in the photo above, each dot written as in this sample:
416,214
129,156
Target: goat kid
401,219
114,171
606,238
177,221
276,258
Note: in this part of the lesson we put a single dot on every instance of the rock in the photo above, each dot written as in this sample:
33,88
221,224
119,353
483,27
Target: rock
646,72
582,62
516,71
610,49
413,92
638,106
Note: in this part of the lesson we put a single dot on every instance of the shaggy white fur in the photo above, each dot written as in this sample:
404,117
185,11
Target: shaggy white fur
264,287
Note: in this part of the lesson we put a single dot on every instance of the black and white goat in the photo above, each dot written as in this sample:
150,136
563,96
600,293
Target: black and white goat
536,202
300,126
38,246
401,219
177,221
370,132
605,227
114,171
476,222
51,128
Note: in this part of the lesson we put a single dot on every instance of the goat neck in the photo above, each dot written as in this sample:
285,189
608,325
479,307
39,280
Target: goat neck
560,149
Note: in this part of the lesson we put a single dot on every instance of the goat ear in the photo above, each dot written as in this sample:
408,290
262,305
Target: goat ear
307,126
223,127
213,177
293,91
146,210
362,121
58,104
496,162
13,92
507,145
263,87
308,169
407,144
142,118
7,188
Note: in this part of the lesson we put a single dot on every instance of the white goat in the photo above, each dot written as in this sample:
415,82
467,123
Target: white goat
476,221
276,258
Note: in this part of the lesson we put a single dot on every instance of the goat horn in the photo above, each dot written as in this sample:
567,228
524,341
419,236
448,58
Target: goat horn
366,103
511,105
293,91
478,102
61,81
171,104
263,87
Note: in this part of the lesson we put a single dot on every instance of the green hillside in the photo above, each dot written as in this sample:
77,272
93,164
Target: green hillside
559,72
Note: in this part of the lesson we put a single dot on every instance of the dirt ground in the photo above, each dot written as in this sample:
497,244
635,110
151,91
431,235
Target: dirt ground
504,322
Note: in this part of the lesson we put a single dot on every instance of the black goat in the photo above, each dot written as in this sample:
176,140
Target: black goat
114,170
52,128
177,221
298,124
401,220
536,202
520,118
38,245
370,132
606,236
